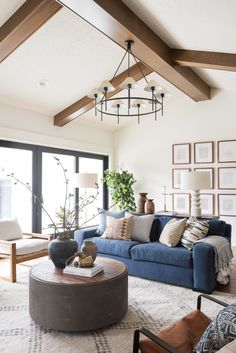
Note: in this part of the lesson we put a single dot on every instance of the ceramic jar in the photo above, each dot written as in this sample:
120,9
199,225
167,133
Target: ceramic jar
141,202
59,250
149,206
89,248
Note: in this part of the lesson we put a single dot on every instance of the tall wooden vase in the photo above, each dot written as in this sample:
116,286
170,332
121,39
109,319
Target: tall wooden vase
141,202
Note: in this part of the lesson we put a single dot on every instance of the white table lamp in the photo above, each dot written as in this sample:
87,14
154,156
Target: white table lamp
195,181
84,180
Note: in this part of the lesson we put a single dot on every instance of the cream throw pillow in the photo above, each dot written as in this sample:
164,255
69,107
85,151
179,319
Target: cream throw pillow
118,228
173,232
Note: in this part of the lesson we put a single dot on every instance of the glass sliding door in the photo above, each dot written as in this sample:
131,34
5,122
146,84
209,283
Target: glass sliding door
91,165
54,185
15,199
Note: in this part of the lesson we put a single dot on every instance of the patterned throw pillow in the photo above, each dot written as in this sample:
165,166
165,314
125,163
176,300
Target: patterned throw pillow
118,228
220,332
173,232
103,218
195,231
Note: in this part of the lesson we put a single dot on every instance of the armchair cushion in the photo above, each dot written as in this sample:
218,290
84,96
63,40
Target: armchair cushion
221,331
26,246
183,335
10,229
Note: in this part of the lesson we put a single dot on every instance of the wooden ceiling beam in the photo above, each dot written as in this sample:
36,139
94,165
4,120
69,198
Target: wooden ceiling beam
204,59
85,104
24,22
119,23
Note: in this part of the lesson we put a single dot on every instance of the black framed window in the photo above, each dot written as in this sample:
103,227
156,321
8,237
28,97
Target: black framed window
37,166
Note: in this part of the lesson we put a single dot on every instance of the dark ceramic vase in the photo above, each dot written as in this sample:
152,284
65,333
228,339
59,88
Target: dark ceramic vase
60,250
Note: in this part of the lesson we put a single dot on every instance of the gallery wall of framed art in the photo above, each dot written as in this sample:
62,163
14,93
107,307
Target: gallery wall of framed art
219,159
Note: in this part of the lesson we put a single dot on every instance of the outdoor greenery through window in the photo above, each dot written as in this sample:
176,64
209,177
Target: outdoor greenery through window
37,167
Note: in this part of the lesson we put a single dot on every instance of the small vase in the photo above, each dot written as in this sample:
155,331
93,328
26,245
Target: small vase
141,202
149,206
60,250
89,248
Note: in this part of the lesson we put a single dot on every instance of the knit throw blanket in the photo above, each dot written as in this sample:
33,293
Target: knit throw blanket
223,256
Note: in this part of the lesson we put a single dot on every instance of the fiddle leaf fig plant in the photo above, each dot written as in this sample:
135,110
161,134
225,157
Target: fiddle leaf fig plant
120,185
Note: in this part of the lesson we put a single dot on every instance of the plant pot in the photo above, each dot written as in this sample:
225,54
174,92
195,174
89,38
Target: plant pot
149,206
60,250
141,201
89,248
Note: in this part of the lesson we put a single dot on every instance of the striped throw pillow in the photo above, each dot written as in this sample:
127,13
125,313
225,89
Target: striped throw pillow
194,231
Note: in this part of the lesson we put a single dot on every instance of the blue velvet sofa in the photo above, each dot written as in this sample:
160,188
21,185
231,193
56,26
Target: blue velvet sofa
175,265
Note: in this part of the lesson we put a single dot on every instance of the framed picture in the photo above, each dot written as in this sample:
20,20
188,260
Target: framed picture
207,204
227,151
176,175
227,178
227,205
181,153
203,152
211,171
181,203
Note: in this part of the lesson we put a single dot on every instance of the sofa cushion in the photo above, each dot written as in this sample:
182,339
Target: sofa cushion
196,230
103,218
118,228
114,247
173,231
216,227
10,229
160,253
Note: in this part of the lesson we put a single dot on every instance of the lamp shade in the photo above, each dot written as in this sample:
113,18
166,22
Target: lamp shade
195,180
85,180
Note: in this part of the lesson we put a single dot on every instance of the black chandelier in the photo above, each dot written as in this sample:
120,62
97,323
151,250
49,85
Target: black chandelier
135,105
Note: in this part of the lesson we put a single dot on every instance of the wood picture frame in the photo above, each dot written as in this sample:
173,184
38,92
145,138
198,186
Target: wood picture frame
226,151
176,176
227,205
211,170
203,152
181,153
181,203
207,204
227,178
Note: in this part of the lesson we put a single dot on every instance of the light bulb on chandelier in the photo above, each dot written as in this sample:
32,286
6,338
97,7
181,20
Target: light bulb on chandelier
129,105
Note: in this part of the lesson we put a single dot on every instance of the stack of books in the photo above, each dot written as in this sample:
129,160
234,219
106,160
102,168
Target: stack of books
83,271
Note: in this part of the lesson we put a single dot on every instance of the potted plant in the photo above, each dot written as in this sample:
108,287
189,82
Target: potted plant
120,186
66,219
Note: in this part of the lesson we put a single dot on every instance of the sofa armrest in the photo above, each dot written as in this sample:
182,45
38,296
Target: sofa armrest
204,275
81,234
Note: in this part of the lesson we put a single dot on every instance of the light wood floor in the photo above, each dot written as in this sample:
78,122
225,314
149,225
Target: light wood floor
230,288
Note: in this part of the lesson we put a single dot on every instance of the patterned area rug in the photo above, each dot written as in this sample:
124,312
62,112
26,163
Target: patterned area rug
151,304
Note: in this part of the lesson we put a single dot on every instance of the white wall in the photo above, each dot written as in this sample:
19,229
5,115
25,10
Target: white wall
22,125
146,149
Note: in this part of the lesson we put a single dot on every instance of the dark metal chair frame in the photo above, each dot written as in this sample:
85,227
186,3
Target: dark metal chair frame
158,340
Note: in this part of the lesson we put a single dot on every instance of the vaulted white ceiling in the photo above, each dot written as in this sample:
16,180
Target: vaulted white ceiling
74,57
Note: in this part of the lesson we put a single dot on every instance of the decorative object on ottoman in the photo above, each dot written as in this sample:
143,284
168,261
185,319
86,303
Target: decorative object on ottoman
141,202
89,248
149,206
60,250
79,259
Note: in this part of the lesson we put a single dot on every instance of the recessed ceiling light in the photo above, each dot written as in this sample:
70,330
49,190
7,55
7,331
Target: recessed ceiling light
43,83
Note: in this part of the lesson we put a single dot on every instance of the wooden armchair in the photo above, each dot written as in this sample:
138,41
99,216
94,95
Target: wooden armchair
26,246
180,337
